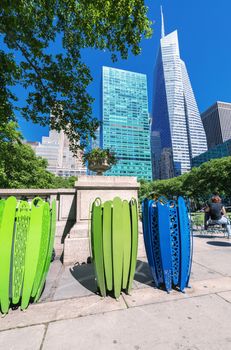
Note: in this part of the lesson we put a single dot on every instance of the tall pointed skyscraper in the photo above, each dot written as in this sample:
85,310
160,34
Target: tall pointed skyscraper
176,124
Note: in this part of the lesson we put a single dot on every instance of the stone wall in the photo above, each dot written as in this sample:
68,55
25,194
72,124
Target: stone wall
73,210
66,208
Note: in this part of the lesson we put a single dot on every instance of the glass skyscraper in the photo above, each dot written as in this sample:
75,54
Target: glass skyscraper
218,151
125,128
176,122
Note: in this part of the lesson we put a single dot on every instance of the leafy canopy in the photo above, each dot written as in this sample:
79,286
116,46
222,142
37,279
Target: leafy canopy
212,176
98,155
20,167
57,80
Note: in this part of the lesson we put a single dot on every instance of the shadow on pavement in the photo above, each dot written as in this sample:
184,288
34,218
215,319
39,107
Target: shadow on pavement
219,244
143,274
208,235
85,275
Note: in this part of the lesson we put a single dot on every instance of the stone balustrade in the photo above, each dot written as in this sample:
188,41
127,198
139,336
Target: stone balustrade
66,208
73,210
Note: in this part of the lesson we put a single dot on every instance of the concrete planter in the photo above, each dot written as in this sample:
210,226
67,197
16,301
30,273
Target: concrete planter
99,166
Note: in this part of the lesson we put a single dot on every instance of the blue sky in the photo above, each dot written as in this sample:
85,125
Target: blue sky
205,45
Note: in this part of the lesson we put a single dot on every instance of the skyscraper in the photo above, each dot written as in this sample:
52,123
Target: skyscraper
125,119
176,120
61,161
217,123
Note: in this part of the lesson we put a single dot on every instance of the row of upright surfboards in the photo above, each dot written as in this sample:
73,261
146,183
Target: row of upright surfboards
114,240
26,242
168,241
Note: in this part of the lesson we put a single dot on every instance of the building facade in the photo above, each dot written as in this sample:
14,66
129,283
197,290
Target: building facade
125,128
217,123
61,161
219,151
175,116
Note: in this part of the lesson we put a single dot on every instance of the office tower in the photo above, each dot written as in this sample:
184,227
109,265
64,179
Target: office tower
95,143
217,123
176,119
218,151
61,161
125,117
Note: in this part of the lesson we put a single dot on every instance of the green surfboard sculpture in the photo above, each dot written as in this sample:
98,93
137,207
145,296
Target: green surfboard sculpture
32,249
117,245
2,205
97,245
50,248
114,237
126,222
44,244
134,224
6,237
107,243
20,240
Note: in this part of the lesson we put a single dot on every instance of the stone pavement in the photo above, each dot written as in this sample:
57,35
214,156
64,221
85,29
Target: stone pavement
72,316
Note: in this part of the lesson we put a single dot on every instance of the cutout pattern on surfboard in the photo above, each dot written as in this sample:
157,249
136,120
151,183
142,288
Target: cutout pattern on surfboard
20,240
154,233
172,241
26,245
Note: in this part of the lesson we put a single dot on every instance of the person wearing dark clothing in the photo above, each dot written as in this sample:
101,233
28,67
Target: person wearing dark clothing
216,211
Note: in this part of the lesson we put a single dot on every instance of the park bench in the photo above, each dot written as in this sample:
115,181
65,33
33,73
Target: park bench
198,226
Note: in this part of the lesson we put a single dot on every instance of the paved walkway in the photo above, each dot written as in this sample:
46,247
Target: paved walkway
72,316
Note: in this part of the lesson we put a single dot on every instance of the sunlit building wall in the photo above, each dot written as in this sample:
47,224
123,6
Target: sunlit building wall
175,113
125,128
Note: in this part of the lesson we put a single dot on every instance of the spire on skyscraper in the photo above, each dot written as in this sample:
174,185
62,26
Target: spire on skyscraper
162,23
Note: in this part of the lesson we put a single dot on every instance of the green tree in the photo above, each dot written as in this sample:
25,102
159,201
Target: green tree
20,167
57,80
198,184
61,182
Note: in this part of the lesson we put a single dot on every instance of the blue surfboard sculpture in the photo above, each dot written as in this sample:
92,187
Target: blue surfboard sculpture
148,240
165,243
154,232
168,241
175,241
185,244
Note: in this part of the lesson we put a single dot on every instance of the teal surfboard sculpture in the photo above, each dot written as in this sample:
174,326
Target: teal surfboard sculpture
6,237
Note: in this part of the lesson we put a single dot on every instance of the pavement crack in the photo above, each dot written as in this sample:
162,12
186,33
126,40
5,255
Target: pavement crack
44,335
220,296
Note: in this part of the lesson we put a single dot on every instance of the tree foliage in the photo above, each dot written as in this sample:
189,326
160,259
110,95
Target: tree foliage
198,184
57,79
20,167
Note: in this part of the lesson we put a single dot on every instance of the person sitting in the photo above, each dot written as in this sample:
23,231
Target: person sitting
216,211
